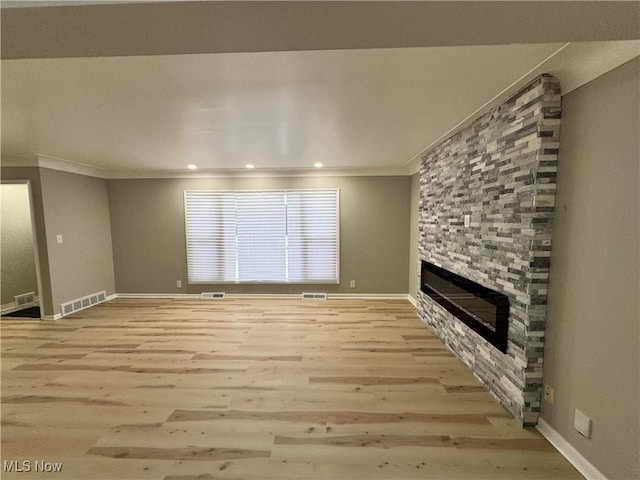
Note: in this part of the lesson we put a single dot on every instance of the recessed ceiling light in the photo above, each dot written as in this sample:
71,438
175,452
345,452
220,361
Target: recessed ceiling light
318,164
250,165
191,166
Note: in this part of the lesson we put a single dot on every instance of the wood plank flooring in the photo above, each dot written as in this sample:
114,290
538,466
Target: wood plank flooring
254,389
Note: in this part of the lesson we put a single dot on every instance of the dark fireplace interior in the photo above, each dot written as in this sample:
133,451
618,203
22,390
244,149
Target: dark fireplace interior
484,310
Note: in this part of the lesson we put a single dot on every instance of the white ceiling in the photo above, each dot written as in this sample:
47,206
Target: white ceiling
346,108
361,110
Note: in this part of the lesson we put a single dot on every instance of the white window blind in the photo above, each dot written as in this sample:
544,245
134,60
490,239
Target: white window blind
211,237
312,236
273,236
262,232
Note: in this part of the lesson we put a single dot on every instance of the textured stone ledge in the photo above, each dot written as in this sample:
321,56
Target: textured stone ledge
501,171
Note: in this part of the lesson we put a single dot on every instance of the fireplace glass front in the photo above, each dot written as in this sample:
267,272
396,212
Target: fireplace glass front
484,310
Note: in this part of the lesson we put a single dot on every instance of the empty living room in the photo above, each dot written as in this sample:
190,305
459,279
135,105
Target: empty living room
320,240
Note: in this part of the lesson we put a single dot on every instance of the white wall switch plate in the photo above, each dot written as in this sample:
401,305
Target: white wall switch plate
467,220
58,238
582,423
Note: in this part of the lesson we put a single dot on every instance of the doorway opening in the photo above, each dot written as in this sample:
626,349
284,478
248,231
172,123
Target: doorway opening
20,273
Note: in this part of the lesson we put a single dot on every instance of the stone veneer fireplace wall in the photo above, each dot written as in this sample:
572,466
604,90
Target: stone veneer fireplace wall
501,171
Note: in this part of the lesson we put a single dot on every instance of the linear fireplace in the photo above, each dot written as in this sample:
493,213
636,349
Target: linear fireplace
484,310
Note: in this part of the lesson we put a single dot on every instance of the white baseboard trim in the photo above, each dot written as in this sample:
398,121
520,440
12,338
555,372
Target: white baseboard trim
155,295
6,311
368,296
574,457
8,308
12,307
343,296
262,295
412,300
354,296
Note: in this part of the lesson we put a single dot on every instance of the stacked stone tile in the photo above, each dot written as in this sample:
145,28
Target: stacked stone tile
501,171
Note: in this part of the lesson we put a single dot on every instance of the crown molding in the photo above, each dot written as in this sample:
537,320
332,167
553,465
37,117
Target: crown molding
63,165
53,163
487,106
413,166
263,173
573,64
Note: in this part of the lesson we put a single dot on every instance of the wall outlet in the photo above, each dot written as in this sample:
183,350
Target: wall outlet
58,238
467,220
582,423
352,284
179,283
548,393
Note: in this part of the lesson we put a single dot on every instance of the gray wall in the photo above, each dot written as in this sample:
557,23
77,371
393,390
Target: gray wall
592,342
77,207
414,235
147,223
17,243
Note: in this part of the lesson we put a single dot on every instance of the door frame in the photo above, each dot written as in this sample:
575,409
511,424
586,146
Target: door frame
34,235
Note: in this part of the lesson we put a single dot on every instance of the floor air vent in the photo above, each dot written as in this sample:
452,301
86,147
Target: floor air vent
81,303
25,299
212,295
314,296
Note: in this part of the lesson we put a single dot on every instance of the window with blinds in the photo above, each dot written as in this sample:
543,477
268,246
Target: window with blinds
286,236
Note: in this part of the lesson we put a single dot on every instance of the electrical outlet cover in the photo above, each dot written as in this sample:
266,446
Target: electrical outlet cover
548,393
582,423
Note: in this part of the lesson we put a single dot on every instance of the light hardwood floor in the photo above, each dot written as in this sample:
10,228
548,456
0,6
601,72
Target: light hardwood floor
254,389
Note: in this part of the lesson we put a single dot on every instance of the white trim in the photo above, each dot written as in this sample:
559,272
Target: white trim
7,307
567,450
62,164
262,173
70,166
156,295
57,316
368,296
54,163
348,296
263,295
487,106
12,307
413,166
36,250
113,296
573,64
412,300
